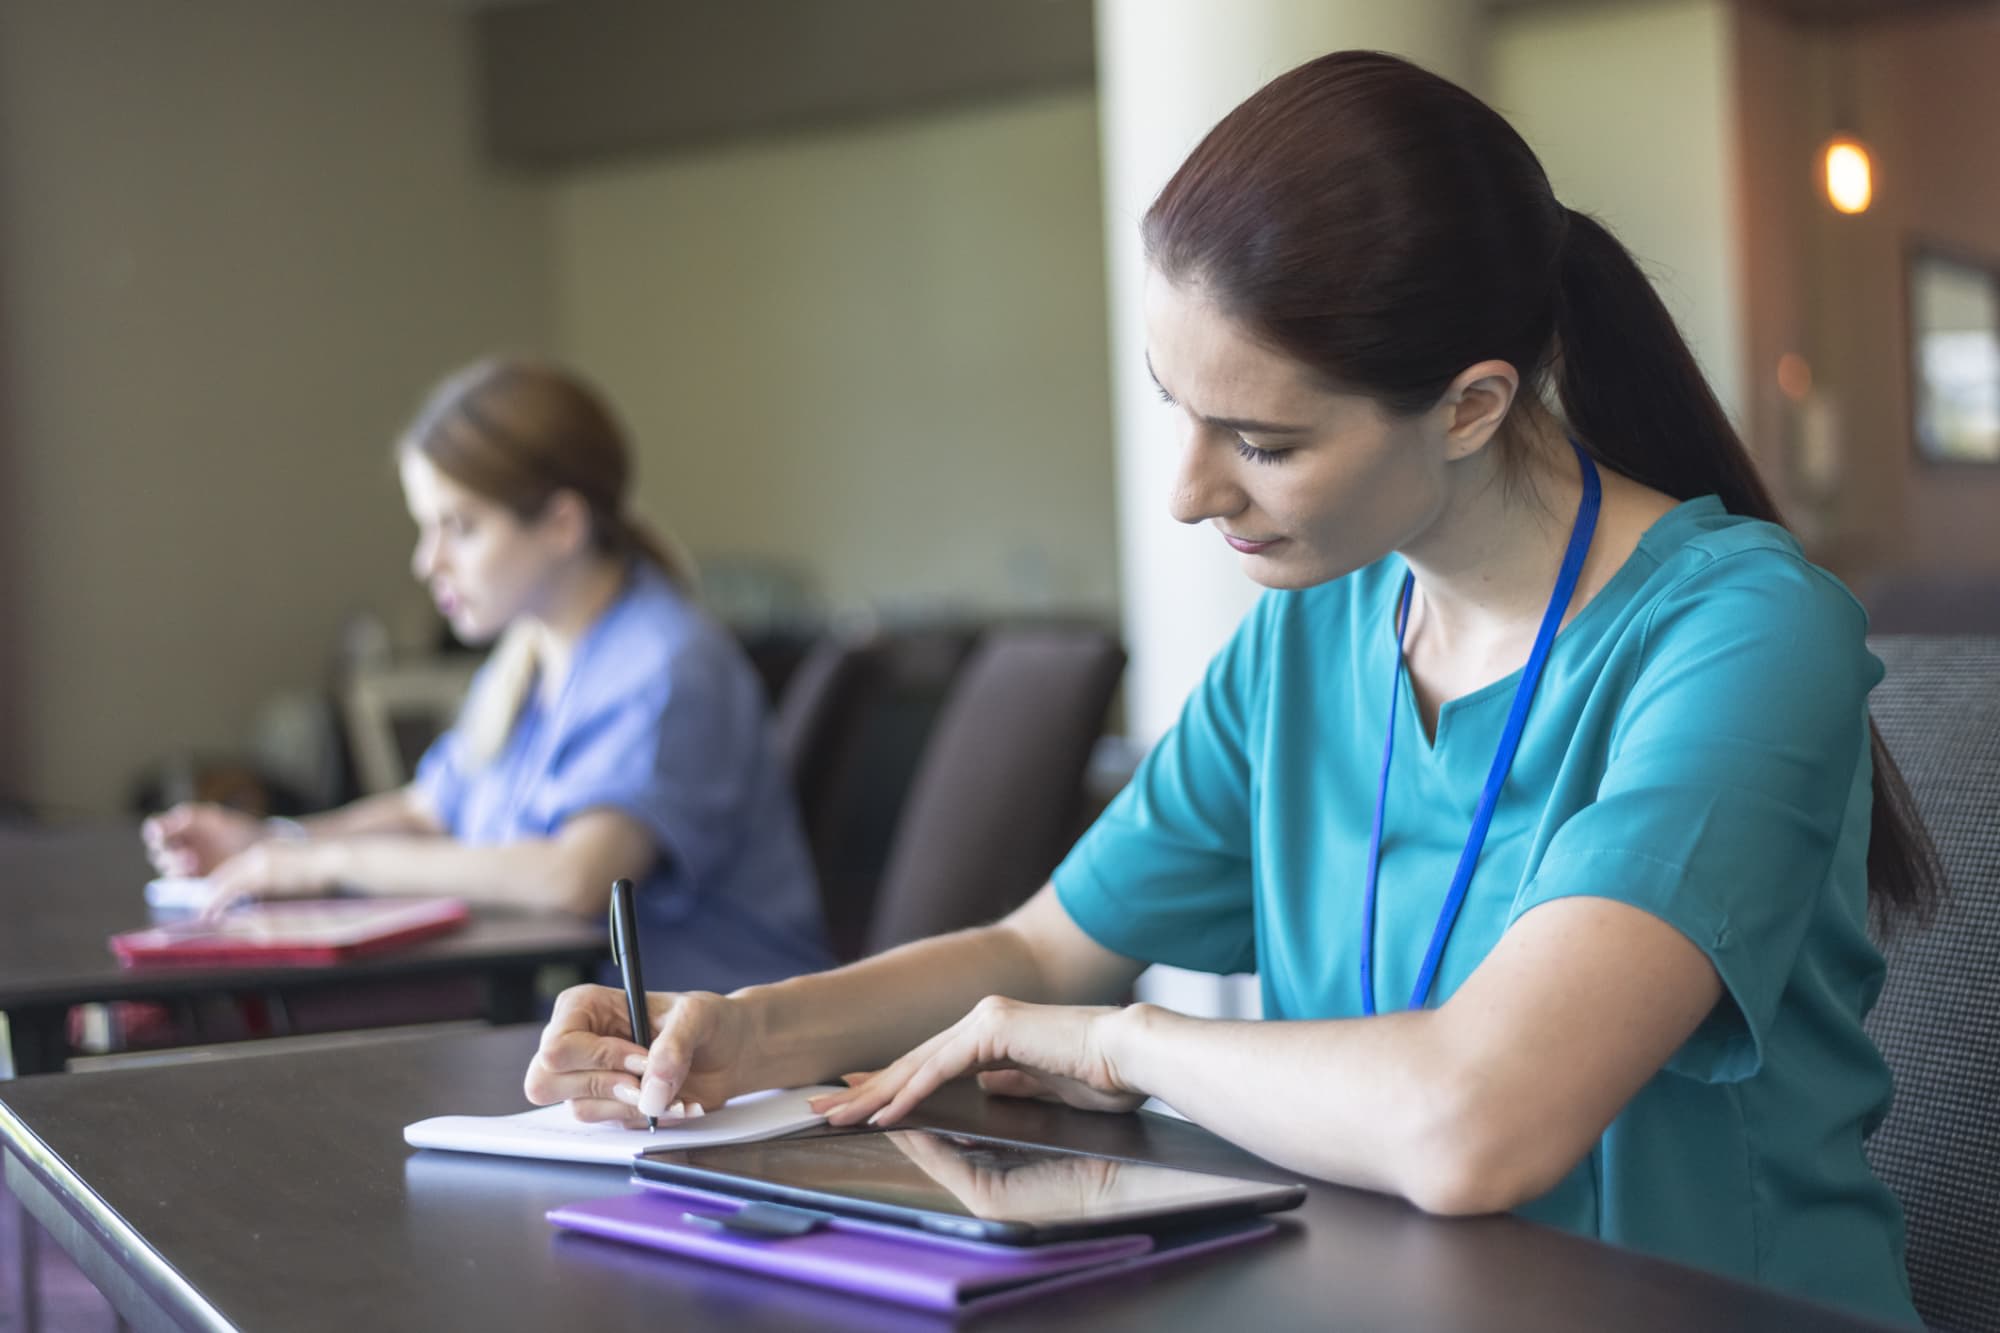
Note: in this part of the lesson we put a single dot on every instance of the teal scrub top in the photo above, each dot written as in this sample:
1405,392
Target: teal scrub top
1698,748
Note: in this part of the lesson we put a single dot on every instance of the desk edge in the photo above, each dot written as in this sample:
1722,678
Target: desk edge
146,1265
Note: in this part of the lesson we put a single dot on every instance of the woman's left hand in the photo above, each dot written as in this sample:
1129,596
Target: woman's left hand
270,869
1021,1050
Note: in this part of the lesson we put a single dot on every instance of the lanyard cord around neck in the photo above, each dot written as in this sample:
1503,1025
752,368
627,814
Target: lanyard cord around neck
1503,757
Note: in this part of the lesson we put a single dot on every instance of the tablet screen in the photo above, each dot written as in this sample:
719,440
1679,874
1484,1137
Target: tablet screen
960,1175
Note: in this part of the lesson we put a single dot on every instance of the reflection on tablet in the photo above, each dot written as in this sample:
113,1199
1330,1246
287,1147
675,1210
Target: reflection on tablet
972,1177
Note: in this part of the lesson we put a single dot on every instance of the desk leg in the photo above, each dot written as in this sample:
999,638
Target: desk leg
27,1292
39,1039
113,1276
510,995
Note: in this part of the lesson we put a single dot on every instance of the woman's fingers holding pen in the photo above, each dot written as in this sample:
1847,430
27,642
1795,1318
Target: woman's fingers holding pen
685,1026
586,1054
697,1056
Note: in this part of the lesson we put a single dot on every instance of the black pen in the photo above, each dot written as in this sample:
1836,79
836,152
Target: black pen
625,949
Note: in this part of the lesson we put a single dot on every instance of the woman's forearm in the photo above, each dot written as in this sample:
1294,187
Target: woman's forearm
815,1028
569,872
398,811
534,873
1373,1102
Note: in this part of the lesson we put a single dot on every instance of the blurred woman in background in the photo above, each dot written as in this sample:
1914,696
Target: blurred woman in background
614,731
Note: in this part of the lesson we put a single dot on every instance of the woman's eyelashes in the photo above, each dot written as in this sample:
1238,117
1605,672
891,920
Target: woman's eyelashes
1243,446
1256,455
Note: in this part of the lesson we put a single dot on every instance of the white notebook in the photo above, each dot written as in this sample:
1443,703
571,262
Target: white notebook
180,891
552,1132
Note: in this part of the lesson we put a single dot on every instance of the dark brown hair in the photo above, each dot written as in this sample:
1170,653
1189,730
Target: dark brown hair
1386,229
517,431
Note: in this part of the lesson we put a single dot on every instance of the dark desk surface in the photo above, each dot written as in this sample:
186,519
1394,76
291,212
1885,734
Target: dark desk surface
275,1192
63,893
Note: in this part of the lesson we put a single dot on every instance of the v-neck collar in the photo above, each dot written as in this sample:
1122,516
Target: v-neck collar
1503,688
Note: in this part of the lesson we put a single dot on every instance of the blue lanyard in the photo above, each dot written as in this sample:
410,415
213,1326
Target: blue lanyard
1503,758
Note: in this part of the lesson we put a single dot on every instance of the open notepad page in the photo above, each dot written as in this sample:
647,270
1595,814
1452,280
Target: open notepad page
553,1133
178,892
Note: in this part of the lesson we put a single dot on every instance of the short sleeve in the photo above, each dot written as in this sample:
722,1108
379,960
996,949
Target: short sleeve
1728,782
1164,875
675,755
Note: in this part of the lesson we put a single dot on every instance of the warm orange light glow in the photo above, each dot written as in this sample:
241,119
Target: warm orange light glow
1794,376
1848,173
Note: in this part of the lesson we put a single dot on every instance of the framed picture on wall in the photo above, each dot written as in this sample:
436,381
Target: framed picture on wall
1954,357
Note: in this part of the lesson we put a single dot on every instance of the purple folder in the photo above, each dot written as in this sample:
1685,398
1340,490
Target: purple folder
890,1263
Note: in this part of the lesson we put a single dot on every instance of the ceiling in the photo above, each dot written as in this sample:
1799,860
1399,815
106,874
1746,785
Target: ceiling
1814,13
662,74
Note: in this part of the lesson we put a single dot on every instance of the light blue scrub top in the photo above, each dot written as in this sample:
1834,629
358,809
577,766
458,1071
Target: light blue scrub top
1698,748
663,719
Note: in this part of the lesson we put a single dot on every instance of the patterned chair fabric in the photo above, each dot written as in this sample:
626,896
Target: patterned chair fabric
1938,1020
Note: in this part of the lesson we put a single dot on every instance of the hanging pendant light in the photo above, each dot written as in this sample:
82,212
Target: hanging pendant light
1847,173
1846,169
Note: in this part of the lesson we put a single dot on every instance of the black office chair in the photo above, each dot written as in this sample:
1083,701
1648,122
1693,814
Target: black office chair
822,728
996,797
856,813
1938,1021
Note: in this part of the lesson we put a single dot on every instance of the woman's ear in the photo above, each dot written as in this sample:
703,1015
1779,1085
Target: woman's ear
1475,404
565,522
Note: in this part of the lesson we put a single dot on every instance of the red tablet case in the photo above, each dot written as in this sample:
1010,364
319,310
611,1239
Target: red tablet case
303,933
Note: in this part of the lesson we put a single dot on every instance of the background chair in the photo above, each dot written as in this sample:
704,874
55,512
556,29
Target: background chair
1932,602
822,721
998,793
1938,1021
852,724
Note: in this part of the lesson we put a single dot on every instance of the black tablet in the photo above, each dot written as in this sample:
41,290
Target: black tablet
966,1185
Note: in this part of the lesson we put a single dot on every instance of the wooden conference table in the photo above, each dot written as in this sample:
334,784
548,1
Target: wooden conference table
63,892
275,1192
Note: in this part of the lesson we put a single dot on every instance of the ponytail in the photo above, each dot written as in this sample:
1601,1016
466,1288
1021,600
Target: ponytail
1635,398
1663,425
628,535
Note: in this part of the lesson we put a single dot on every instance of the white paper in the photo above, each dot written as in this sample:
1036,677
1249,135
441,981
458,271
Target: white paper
177,891
553,1133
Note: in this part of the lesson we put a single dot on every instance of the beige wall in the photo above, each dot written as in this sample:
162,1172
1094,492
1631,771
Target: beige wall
877,353
238,239
1631,109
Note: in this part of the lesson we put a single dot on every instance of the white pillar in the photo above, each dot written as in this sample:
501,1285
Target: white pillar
1167,70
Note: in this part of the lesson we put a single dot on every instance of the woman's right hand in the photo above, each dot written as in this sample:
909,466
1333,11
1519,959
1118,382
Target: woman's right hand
194,838
588,1058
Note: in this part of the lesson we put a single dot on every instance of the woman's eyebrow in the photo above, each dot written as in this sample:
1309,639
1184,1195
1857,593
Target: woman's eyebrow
1241,425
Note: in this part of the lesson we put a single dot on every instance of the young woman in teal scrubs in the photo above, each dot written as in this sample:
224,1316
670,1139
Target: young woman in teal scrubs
1539,790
